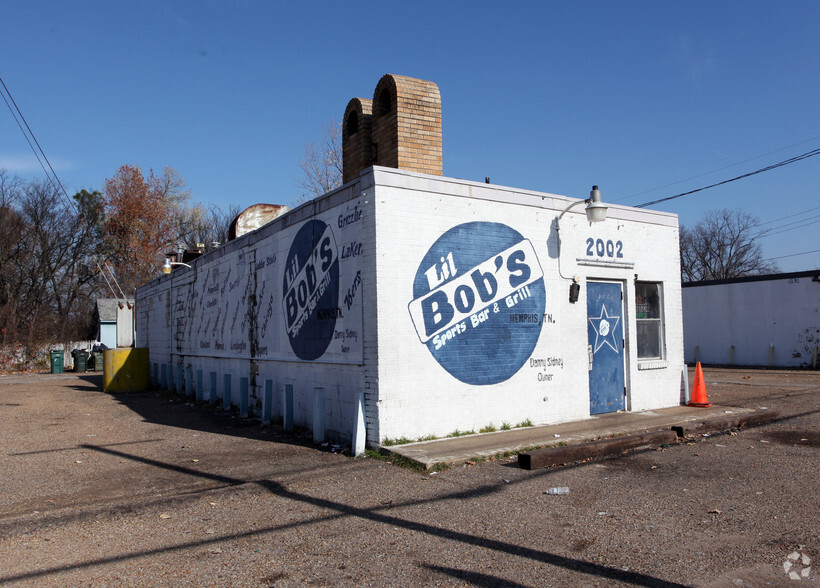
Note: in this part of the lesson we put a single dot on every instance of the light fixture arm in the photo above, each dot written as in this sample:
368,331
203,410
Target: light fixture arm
595,212
169,265
573,205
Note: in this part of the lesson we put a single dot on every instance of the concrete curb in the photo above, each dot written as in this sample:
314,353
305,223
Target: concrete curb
609,436
754,419
553,456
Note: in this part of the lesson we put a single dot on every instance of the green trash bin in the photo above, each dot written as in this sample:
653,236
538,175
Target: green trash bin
56,361
97,361
80,360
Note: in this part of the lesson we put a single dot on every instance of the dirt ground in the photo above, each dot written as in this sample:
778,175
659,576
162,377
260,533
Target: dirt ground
145,489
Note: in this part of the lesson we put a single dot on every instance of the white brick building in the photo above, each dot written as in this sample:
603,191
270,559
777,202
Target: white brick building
447,302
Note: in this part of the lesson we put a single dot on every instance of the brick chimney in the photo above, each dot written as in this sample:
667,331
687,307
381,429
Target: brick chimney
356,139
400,128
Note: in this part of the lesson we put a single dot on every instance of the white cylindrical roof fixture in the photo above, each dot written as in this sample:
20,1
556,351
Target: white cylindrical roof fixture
596,210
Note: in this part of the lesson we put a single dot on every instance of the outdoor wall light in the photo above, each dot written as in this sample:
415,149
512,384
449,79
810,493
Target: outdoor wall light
596,210
169,265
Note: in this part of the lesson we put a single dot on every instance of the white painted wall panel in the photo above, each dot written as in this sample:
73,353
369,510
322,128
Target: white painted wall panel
753,317
282,304
421,393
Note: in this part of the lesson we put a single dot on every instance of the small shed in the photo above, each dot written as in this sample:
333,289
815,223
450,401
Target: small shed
115,323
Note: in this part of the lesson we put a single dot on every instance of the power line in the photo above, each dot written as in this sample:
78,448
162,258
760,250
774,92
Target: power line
792,255
53,177
25,135
772,232
718,169
791,160
797,222
789,216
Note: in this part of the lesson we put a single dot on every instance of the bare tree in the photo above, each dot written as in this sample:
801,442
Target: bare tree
321,164
12,249
48,277
52,248
205,226
722,245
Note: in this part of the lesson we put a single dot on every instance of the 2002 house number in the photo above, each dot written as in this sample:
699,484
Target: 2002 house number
608,248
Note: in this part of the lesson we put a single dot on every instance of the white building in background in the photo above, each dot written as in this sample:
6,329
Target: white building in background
115,322
450,304
771,320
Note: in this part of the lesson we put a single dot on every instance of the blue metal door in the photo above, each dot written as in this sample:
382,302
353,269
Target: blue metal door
605,332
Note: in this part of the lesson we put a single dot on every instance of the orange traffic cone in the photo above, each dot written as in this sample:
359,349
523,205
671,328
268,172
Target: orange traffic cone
699,390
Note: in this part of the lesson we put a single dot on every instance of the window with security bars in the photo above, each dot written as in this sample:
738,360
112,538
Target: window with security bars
649,318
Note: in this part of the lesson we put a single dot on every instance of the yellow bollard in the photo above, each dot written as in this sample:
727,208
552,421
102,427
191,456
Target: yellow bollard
125,370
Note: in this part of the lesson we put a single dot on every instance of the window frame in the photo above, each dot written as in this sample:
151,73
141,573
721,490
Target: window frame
660,321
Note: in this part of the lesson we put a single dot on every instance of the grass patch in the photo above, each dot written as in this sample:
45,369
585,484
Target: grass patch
393,459
526,423
488,429
506,426
398,441
403,462
404,440
458,433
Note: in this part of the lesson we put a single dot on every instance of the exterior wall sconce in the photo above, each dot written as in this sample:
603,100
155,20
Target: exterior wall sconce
169,265
596,212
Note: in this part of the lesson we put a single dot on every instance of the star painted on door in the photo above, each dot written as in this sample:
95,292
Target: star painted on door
605,327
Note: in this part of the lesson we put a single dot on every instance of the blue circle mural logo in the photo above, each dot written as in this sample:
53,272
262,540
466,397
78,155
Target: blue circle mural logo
311,290
478,301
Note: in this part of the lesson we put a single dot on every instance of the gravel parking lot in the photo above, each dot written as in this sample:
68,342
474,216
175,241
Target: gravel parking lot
144,489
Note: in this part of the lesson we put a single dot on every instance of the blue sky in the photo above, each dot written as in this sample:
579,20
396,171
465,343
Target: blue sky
645,99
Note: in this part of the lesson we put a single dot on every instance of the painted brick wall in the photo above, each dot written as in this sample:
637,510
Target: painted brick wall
238,313
420,395
418,253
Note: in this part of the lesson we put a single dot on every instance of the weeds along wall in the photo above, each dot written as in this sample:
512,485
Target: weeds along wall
444,301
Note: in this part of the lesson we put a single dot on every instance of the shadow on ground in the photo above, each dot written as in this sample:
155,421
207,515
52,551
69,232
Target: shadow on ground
163,407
